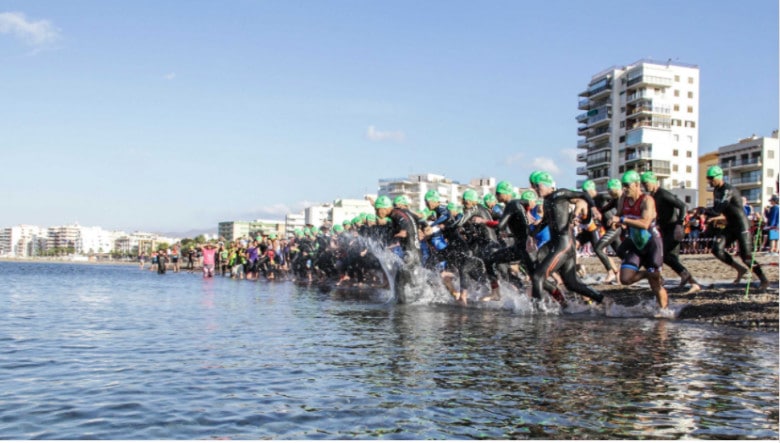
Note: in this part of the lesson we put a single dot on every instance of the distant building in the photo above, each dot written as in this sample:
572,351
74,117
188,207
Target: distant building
751,165
293,222
22,241
232,230
643,116
416,185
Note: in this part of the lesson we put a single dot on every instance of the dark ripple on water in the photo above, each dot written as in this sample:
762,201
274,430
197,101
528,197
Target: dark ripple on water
115,353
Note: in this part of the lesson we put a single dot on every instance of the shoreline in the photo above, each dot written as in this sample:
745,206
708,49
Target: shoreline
718,303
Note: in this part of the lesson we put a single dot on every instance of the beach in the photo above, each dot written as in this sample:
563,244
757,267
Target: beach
719,302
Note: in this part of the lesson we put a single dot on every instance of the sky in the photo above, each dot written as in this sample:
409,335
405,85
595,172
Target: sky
173,116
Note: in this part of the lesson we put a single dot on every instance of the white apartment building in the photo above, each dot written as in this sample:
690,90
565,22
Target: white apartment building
347,209
22,241
293,222
416,185
643,116
752,166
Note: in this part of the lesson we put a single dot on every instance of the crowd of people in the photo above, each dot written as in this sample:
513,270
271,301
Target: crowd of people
530,240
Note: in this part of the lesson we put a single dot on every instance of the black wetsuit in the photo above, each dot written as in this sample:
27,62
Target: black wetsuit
728,201
611,237
458,254
670,216
562,254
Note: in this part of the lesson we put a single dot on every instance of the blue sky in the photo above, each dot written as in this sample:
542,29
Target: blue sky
169,116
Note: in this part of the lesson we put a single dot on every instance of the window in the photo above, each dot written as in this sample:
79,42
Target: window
688,169
770,172
676,92
623,124
674,168
690,109
676,137
770,154
676,153
676,107
690,139
690,94
690,80
675,183
622,169
769,190
677,78
687,199
687,183
688,154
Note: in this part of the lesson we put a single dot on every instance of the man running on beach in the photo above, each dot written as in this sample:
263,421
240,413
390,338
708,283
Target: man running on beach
670,216
727,206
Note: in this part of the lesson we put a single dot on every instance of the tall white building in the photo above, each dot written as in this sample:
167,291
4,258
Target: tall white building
643,116
22,241
751,166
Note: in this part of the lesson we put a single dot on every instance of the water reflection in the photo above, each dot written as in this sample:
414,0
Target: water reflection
136,355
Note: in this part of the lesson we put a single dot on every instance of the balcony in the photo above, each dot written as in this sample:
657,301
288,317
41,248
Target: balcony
598,160
632,157
746,182
582,118
601,92
648,110
636,138
750,163
583,104
599,134
638,95
582,170
600,147
582,157
662,168
583,144
583,131
649,80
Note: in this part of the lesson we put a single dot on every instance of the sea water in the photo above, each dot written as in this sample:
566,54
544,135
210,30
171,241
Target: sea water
114,352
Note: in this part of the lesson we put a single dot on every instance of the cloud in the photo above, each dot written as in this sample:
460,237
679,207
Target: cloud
170,76
379,136
546,164
514,158
34,33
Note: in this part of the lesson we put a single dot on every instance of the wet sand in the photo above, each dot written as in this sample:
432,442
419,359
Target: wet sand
719,302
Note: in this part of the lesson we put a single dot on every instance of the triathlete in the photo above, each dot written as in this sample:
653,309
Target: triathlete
607,205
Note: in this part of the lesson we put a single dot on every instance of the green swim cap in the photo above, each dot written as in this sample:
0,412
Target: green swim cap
338,229
613,184
470,195
504,187
649,177
714,172
356,220
432,196
371,217
383,202
298,232
534,178
489,198
589,185
454,207
544,178
528,196
347,223
401,200
272,236
630,176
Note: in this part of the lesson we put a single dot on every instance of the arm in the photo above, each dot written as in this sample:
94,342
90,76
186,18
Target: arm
648,215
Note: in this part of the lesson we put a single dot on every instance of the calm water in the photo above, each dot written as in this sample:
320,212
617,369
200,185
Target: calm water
116,353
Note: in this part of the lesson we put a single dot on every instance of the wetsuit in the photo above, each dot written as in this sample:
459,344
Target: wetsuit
670,217
562,254
458,254
641,247
727,201
611,237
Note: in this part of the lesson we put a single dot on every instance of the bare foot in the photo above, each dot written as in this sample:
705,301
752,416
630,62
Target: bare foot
694,289
764,285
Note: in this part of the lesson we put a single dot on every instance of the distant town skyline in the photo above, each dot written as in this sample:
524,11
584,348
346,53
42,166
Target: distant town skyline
169,117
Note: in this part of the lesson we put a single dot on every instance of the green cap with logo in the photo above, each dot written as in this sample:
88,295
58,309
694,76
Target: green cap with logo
470,195
401,200
489,198
544,178
630,176
432,196
528,196
714,172
589,185
504,187
614,184
649,177
383,202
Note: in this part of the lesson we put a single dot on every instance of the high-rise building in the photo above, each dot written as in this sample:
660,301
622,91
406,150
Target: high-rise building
643,116
416,185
